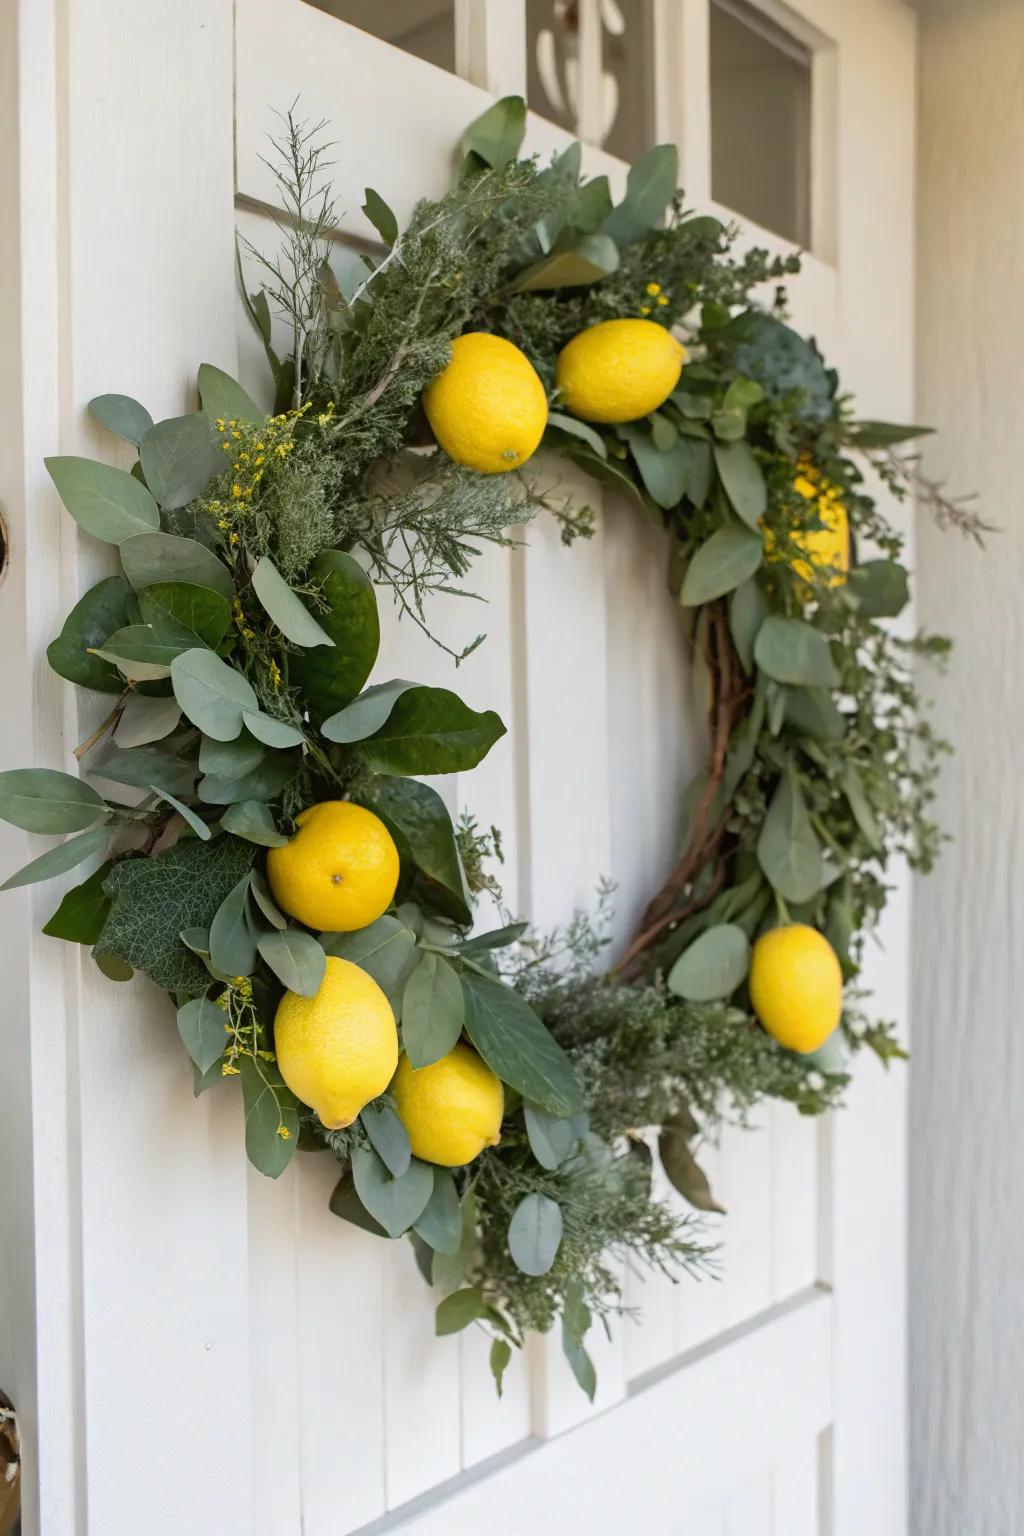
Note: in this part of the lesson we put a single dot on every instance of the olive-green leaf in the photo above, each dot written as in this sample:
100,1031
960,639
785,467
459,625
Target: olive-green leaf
741,476
365,715
295,958
224,399
712,966
179,458
591,259
651,183
430,730
232,942
102,610
330,678
535,1234
460,1309
500,1355
80,917
812,712
108,503
253,820
57,861
212,694
793,651
123,416
433,1010
44,800
201,1025
518,1047
684,1172
150,559
144,720
271,1116
380,216
440,1223
389,1138
344,1202
497,134
385,950
395,1202
285,608
788,850
723,562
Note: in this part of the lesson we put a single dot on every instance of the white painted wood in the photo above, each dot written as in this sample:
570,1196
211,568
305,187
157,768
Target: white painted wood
748,1512
796,1508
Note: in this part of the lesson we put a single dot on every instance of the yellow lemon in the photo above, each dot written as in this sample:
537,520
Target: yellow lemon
488,408
827,548
339,871
619,370
337,1050
796,986
451,1109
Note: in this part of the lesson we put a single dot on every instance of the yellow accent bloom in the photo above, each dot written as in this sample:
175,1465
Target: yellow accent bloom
653,289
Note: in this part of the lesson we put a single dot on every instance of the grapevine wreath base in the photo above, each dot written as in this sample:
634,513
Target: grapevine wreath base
512,1139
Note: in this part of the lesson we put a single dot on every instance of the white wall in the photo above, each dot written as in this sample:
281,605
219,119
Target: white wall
967,1126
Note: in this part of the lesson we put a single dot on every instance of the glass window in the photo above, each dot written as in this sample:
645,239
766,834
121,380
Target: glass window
760,120
623,97
425,28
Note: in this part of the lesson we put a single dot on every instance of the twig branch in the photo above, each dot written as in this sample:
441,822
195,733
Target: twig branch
948,511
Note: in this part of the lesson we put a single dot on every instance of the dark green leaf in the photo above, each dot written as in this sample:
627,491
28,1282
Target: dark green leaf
185,615
261,896
80,917
331,678
395,1203
57,861
385,950
179,458
881,589
230,759
740,474
271,1116
43,800
430,730
155,558
123,416
285,608
460,1309
792,651
723,562
112,966
156,898
380,216
106,502
224,399
747,611
651,184
295,958
201,1025
212,694
713,966
433,1010
344,1202
535,1234
366,714
497,938
440,1224
390,1140
788,849
252,819
232,943
417,817
102,610
501,1354
517,1046
497,134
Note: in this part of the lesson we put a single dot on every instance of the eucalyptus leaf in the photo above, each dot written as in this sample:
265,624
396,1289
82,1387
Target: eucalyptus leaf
150,559
122,415
139,653
650,186
146,767
743,480
261,896
497,134
812,712
230,759
344,1202
664,475
198,825
202,1027
285,608
580,429
713,966
272,732
517,1046
57,861
748,609
788,849
253,820
385,950
262,783
184,614
102,610
552,1138
232,944
224,399
295,958
793,651
395,1202
271,1116
390,1140
722,563
500,1355
108,503
535,1234
852,785
433,1010
881,589
460,1309
212,694
440,1223
44,800
684,1172
179,458
366,714
145,720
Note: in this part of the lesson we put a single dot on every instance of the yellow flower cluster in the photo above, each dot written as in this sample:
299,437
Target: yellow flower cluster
653,291
253,448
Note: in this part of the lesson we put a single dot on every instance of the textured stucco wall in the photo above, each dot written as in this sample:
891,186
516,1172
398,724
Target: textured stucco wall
967,1082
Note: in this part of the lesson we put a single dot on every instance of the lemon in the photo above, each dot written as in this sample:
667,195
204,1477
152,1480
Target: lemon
451,1109
488,408
337,1050
619,370
339,871
827,548
796,986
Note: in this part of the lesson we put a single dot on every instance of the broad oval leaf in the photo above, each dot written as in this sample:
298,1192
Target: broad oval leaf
202,1027
271,1116
144,767
123,416
741,476
223,398
230,759
440,1223
881,589
253,820
57,861
82,912
285,608
108,503
433,1010
552,1138
232,944
650,186
497,134
295,958
212,694
793,651
665,475
723,562
272,732
262,783
395,1202
788,849
385,950
418,819
535,1234
330,678
144,720
712,966
460,1309
366,714
430,730
179,458
152,558
518,1047
389,1139
139,653
44,800
812,712
184,614
102,610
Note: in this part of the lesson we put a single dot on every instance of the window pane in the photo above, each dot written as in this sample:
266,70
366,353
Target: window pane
425,28
760,121
625,91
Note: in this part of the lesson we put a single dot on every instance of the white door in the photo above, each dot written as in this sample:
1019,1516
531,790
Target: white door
204,1350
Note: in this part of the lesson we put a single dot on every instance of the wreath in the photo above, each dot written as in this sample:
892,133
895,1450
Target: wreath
285,875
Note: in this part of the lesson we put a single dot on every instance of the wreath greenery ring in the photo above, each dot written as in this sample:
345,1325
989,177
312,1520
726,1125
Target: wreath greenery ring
236,641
